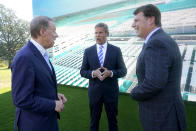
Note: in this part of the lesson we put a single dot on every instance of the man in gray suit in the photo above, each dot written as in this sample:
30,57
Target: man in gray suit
158,70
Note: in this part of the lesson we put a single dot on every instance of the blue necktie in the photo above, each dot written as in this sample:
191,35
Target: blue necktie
100,55
47,60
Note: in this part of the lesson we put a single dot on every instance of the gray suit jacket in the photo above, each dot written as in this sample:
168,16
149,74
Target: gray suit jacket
158,70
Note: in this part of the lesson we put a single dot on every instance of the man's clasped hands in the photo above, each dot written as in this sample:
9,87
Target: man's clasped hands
102,73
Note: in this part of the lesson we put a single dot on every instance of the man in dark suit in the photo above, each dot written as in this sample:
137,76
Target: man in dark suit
158,70
103,64
34,86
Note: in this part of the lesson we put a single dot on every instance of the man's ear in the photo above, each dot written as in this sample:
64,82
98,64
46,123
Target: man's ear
107,34
151,20
42,32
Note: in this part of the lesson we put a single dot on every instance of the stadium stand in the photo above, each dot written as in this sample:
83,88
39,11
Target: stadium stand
76,33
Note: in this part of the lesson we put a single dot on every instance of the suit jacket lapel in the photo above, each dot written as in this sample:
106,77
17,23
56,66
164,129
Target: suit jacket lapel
53,71
39,56
107,55
95,55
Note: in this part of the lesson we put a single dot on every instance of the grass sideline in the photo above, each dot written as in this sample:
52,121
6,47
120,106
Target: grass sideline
75,116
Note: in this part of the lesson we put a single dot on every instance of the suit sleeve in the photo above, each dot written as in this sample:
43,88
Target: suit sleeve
121,69
23,88
85,69
157,63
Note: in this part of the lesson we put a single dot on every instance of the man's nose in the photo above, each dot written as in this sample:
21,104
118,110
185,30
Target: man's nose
56,35
133,24
97,35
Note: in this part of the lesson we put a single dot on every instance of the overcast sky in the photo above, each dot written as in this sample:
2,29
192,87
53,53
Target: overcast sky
22,8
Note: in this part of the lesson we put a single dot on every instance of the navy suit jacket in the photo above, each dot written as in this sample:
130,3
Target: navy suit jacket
34,91
158,70
113,61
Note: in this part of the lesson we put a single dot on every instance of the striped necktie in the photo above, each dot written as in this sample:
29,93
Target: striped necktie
100,55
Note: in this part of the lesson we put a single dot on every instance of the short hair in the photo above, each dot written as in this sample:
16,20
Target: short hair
38,23
102,25
150,10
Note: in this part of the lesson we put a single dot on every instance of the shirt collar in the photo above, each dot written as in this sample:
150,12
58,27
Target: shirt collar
151,33
39,47
104,45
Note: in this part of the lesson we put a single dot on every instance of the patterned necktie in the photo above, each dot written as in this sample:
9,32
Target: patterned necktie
47,60
100,55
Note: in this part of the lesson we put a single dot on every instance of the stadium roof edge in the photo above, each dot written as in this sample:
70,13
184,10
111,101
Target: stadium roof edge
83,11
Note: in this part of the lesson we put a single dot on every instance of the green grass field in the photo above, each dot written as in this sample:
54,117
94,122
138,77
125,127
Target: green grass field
75,116
5,79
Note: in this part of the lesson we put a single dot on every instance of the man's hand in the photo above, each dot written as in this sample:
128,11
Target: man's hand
97,73
106,73
62,97
59,106
102,75
60,103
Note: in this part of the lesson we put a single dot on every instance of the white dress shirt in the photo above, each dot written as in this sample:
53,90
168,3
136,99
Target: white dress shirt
42,51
